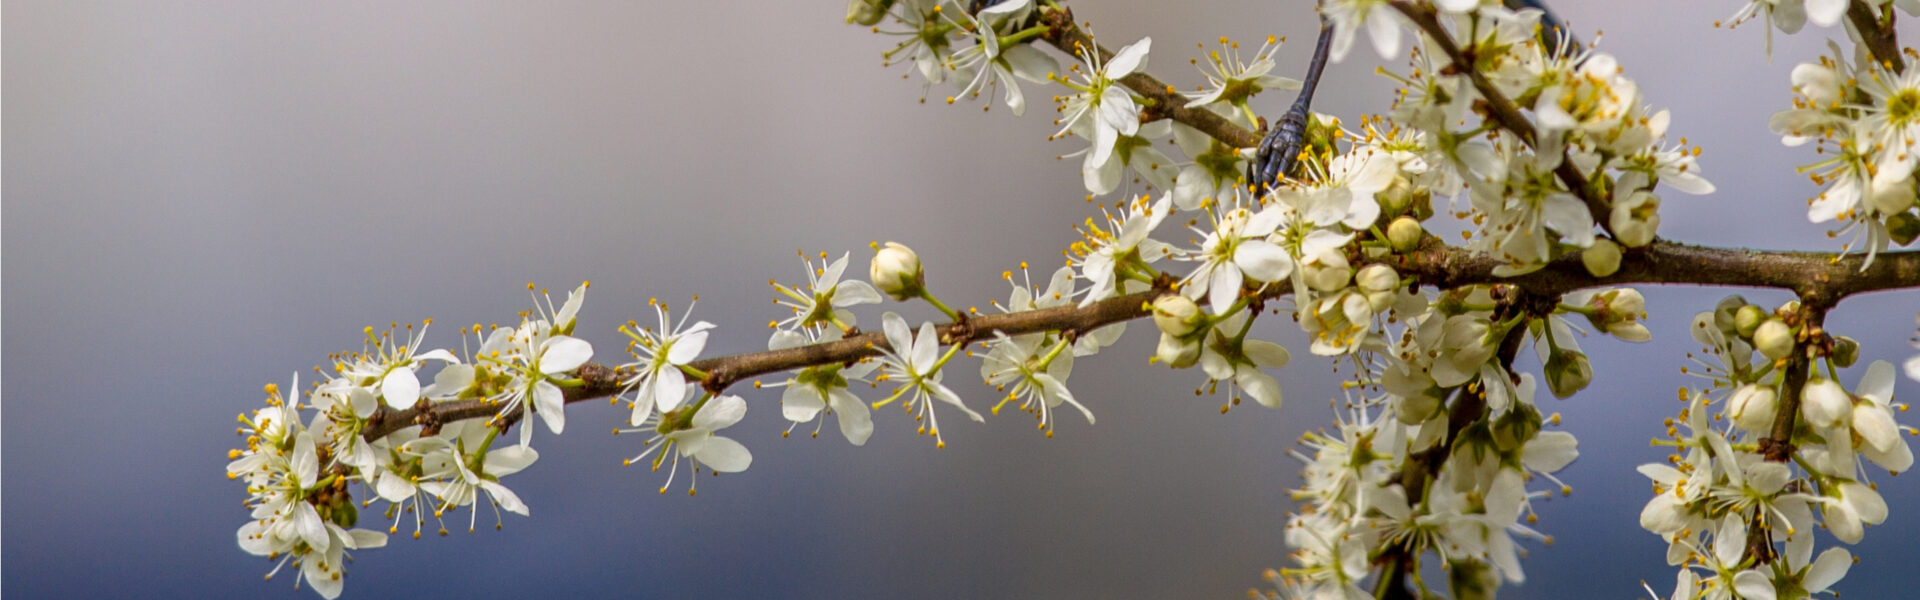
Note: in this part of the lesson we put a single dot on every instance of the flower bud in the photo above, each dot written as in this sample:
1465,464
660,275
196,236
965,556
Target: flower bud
867,12
1636,218
1404,234
1751,407
1748,319
1773,339
1723,312
1846,351
1819,83
1512,430
1377,278
1891,192
1903,228
1176,315
1567,372
1396,197
1176,352
1602,258
1823,402
1618,313
1627,303
1416,409
343,513
896,272
1328,272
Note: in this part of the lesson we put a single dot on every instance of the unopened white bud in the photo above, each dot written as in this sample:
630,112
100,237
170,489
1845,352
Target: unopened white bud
1176,315
1823,402
1176,352
1636,218
1377,278
1328,273
896,272
1627,303
1404,234
1773,339
1602,258
1891,192
1751,407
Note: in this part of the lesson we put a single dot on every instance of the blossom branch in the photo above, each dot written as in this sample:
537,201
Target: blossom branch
1821,279
1778,445
601,381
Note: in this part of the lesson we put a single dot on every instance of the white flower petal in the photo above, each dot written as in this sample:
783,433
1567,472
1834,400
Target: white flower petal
1129,58
401,388
505,498
724,455
720,413
560,354
800,403
856,418
687,346
551,404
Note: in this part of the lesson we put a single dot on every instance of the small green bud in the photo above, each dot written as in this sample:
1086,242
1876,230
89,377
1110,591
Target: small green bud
1513,429
1903,228
1747,319
1723,313
344,514
1567,372
1602,258
1846,351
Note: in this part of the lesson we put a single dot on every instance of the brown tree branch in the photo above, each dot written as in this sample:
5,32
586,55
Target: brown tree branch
1164,101
1820,279
602,381
1877,34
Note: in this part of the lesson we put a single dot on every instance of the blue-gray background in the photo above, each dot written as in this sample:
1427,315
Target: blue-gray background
202,197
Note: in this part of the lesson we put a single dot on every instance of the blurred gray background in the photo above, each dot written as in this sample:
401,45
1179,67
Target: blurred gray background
203,197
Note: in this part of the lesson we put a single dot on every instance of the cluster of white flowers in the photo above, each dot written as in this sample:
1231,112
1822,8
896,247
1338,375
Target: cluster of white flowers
298,469
1726,490
1587,117
1865,119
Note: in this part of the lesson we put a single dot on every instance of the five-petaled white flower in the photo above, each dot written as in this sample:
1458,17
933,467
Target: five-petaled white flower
1235,251
915,361
463,465
826,298
823,388
660,384
1103,101
688,432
